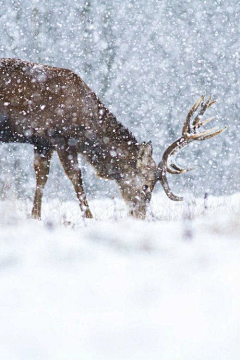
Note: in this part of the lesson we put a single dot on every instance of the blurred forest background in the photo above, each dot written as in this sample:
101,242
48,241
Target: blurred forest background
148,61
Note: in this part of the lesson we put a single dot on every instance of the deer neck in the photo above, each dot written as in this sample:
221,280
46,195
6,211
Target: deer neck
110,147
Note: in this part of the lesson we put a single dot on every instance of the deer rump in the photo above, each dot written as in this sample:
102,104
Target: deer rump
53,109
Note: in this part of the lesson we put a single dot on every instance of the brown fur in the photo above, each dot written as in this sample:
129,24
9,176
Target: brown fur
53,109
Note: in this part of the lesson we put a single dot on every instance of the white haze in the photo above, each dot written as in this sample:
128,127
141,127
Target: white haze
113,287
148,61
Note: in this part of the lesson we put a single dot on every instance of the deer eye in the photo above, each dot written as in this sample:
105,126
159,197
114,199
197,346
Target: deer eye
145,187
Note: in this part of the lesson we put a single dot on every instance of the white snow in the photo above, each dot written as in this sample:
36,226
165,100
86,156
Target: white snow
117,288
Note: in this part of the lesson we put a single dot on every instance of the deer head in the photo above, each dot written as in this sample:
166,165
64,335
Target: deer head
136,185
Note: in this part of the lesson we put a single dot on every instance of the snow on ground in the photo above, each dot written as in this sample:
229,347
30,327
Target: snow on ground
117,288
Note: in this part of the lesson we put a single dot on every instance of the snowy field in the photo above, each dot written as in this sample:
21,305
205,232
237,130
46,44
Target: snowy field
117,288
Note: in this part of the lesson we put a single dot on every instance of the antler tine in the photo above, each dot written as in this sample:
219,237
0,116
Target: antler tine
208,134
174,168
186,127
163,179
204,107
203,134
213,102
170,151
204,122
181,170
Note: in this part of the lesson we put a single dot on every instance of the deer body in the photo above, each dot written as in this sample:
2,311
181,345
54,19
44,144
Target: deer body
51,107
54,110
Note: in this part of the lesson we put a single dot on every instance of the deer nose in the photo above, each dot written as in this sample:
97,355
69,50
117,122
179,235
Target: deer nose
148,196
138,213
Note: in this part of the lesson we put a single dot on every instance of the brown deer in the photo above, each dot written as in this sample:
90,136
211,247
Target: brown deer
53,109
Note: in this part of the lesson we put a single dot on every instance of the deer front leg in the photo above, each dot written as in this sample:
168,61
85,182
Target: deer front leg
69,160
42,158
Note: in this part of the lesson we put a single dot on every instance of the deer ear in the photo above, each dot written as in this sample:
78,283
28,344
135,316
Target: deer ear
144,154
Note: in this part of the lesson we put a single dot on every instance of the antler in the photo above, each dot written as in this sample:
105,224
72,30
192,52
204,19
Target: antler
189,134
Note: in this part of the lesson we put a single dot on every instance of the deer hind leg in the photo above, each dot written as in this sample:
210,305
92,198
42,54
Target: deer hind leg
69,160
42,158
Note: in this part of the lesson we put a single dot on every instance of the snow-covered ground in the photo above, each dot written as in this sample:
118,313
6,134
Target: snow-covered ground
115,288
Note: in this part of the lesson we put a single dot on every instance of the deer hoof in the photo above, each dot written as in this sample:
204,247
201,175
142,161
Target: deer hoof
88,214
35,216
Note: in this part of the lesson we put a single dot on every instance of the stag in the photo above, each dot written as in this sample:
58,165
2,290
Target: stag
54,110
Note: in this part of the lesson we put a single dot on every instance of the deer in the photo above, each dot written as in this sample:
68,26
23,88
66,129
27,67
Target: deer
53,109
